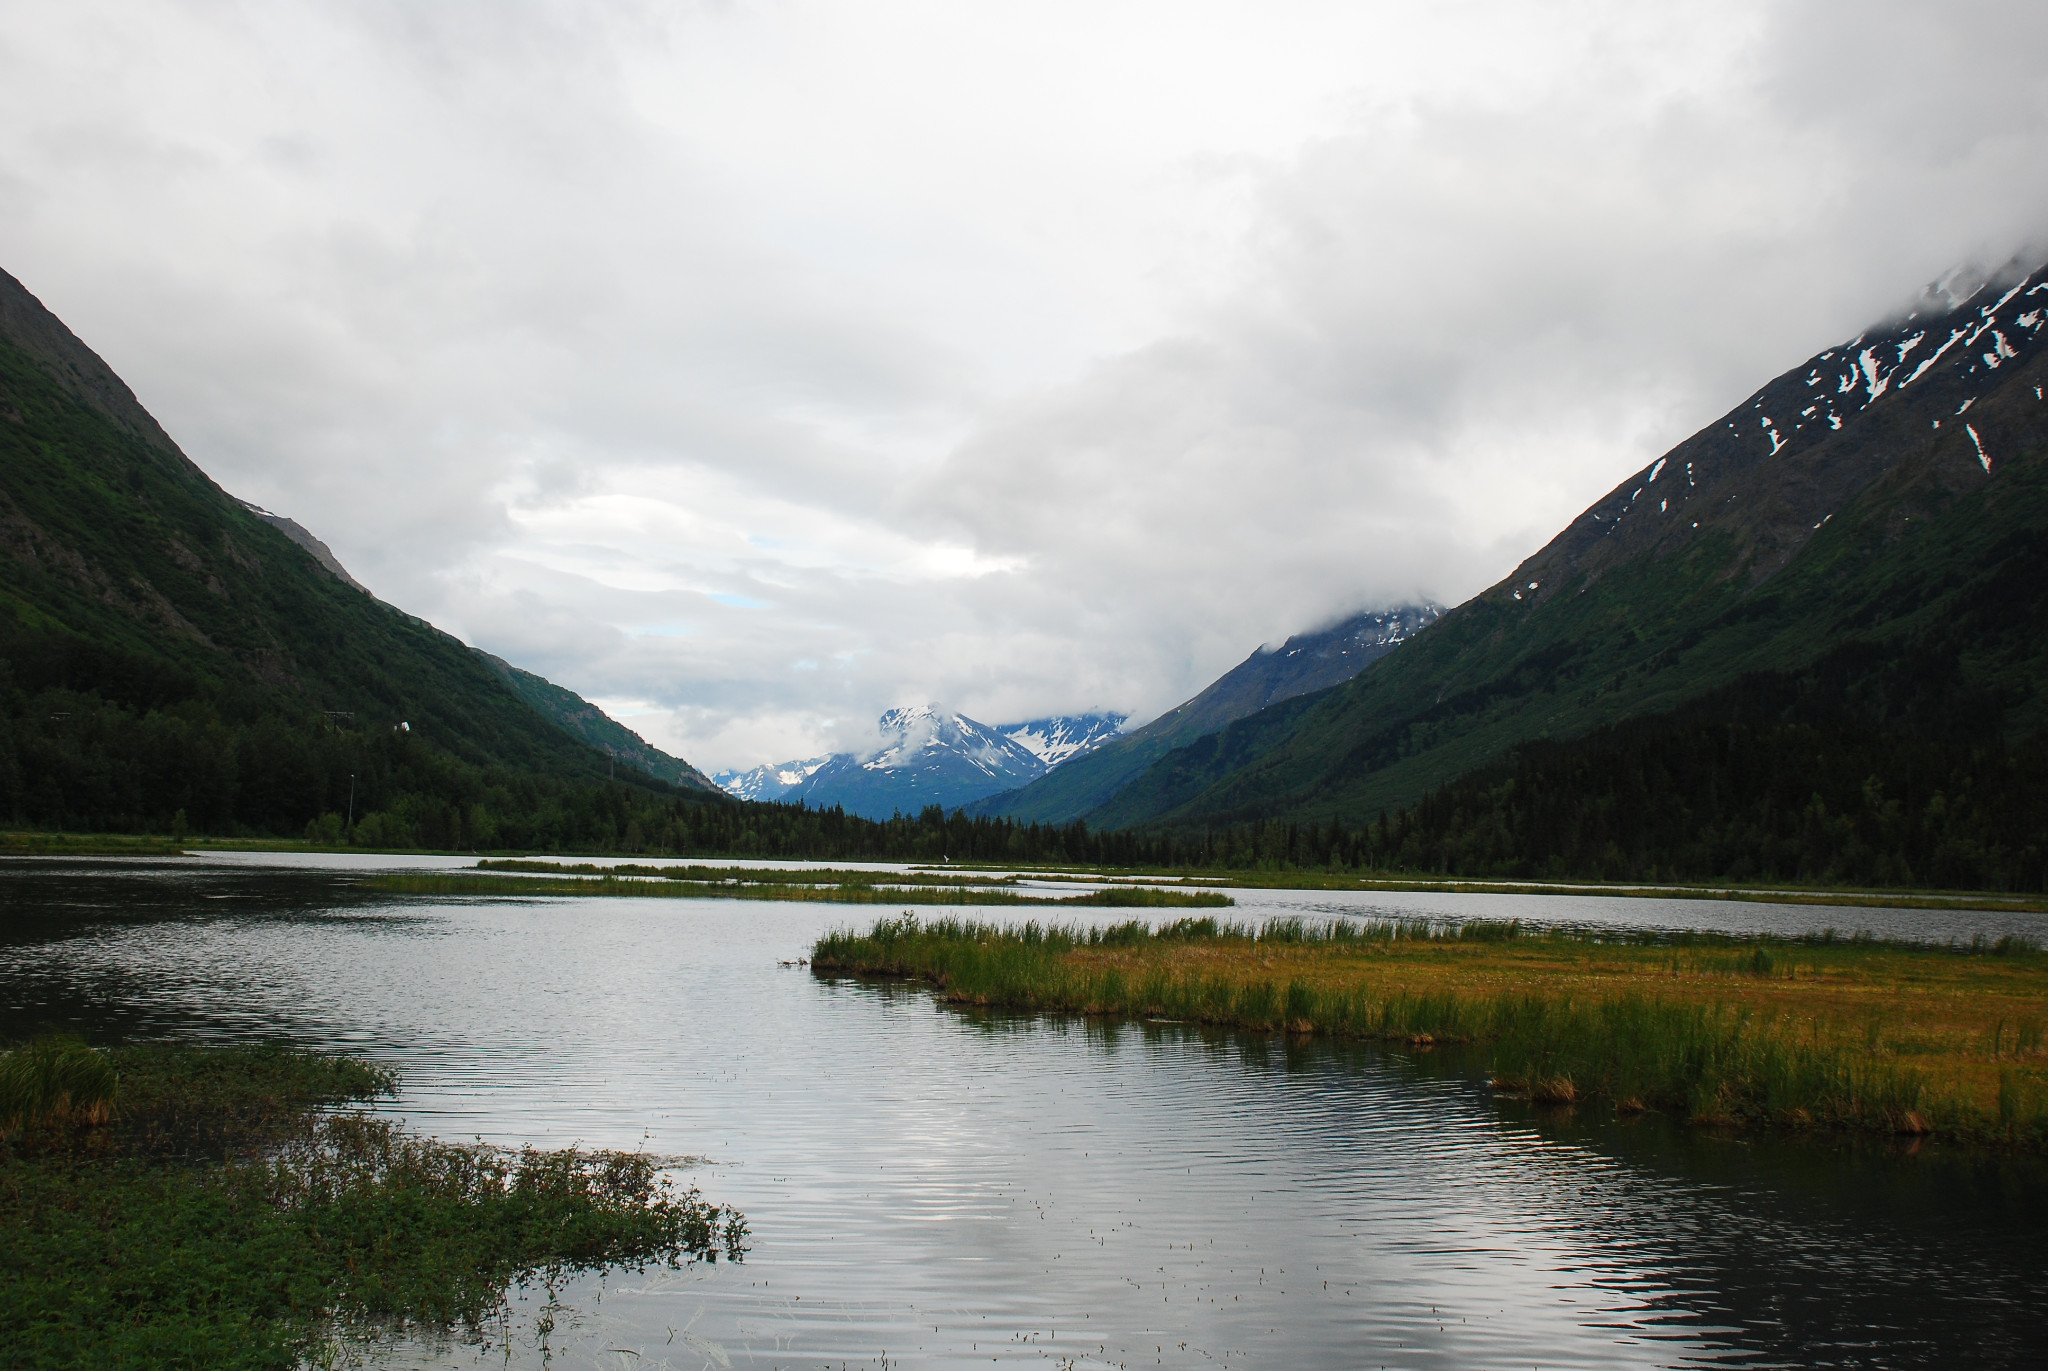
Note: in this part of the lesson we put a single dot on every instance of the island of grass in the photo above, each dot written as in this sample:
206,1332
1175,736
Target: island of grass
209,1207
1814,1032
823,884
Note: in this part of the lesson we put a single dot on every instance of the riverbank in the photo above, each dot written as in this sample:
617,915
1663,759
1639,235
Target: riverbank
207,1207
88,844
763,883
1394,884
1792,1033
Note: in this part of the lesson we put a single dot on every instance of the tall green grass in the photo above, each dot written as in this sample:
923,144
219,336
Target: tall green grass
1713,1064
230,1217
55,1080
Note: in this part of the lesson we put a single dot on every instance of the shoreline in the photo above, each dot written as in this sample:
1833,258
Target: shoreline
1726,1031
25,844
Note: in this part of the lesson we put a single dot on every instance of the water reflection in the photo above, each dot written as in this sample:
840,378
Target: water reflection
945,1188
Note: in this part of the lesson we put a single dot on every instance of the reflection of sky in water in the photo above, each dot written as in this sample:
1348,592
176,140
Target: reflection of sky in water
950,1189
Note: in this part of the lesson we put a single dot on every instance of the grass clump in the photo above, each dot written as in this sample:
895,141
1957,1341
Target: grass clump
224,1215
1825,1031
872,888
54,1080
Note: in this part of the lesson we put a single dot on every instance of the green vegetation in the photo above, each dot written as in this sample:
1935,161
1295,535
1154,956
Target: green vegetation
1846,1033
1755,698
54,1081
170,663
223,1218
751,883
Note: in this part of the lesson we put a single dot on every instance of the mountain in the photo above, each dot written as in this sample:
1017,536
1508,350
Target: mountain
1063,737
1303,665
169,654
929,756
1866,523
777,781
321,553
580,719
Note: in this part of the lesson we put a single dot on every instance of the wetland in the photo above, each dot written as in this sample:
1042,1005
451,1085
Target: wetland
935,1183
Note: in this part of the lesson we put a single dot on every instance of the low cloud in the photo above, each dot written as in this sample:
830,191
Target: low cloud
752,369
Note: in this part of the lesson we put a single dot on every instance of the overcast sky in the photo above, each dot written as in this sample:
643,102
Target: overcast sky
753,367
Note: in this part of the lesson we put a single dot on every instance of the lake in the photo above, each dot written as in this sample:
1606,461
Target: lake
933,1187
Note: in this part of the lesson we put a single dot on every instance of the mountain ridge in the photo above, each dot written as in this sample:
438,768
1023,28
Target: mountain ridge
1636,607
930,755
1306,663
168,653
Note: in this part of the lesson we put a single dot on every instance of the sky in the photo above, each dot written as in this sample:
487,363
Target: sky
752,368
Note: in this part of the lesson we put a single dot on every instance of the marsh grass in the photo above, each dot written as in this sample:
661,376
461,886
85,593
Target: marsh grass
54,1081
833,892
1797,1032
227,1216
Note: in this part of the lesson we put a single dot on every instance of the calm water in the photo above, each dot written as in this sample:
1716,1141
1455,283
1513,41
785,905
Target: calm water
933,1188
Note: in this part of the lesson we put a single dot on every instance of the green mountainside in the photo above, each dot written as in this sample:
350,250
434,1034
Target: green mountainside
579,718
171,656
1306,664
1855,512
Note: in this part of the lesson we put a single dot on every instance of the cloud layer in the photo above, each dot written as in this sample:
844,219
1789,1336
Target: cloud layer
755,367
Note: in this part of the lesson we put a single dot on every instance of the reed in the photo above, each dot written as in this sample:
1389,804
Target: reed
1795,1032
55,1080
232,1215
452,883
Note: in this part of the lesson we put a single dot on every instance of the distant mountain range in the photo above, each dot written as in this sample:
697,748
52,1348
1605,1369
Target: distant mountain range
1844,579
929,755
1304,665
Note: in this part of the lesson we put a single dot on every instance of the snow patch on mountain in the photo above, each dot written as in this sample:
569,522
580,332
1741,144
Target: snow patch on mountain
1064,737
769,782
928,754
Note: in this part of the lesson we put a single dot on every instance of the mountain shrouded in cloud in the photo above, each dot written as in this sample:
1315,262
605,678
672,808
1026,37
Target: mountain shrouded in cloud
750,369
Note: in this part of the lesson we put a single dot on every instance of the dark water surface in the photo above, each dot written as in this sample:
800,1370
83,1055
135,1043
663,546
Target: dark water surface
933,1188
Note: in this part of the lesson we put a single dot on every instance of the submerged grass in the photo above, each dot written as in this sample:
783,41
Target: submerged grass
1825,1031
848,892
219,1214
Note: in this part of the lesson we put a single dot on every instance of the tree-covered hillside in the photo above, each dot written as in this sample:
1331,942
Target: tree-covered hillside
1861,503
168,657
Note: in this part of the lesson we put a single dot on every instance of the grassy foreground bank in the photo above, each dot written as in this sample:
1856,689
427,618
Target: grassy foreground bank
1846,1033
758,883
205,1208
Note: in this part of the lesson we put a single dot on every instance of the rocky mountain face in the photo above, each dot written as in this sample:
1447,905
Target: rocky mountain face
1061,738
1847,501
777,781
929,755
1303,665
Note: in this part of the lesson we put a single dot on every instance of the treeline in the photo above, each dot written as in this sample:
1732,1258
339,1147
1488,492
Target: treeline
1873,768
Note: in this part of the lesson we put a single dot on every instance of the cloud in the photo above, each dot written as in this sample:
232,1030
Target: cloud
755,367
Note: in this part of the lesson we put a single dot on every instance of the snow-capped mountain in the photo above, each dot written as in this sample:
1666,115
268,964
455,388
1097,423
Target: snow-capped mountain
769,782
1065,737
929,755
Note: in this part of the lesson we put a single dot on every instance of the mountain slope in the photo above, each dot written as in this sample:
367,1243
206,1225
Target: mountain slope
1304,664
164,649
928,756
584,721
1843,502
